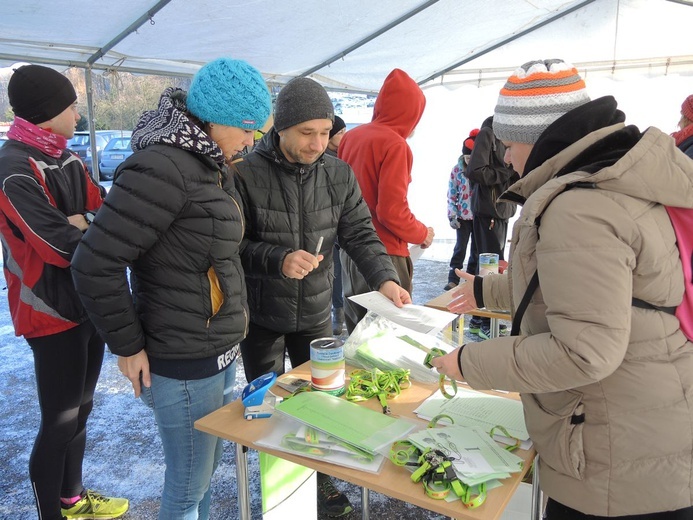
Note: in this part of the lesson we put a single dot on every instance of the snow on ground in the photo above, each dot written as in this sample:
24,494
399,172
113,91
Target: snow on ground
124,455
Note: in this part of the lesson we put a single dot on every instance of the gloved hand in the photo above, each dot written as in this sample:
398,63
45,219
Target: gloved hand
455,223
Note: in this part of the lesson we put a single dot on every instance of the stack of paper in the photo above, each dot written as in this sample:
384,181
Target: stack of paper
380,343
474,454
389,349
349,422
291,436
415,317
471,408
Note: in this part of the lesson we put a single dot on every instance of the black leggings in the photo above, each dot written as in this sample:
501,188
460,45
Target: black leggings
557,511
67,366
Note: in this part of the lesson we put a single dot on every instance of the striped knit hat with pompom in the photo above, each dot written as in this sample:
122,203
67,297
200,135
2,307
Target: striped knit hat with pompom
537,94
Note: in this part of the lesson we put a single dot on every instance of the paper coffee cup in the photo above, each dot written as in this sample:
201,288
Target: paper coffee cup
488,263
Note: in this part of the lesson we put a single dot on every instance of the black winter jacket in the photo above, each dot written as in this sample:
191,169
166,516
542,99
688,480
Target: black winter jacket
171,216
687,147
37,194
289,207
489,176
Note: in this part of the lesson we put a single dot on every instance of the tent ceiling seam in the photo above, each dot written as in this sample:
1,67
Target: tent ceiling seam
130,29
505,41
369,38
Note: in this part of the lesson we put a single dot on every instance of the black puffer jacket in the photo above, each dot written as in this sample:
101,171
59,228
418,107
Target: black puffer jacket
171,217
289,207
687,147
167,218
489,176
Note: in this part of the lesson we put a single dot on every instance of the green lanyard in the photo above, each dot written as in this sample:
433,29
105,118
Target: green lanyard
435,352
436,473
365,384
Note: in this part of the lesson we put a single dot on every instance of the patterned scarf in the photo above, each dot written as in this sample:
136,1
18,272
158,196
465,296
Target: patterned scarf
170,125
28,133
682,135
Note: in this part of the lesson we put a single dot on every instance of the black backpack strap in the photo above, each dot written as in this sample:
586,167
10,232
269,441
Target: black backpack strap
642,304
520,312
534,282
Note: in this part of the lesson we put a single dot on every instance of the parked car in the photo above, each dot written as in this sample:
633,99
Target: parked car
80,143
116,151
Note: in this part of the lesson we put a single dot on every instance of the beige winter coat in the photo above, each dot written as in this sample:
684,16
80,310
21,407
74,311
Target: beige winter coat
583,348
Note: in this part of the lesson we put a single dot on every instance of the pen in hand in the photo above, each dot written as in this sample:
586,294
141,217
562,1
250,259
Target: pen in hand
317,249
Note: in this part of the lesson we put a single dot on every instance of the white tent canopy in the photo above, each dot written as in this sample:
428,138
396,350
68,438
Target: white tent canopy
349,44
460,51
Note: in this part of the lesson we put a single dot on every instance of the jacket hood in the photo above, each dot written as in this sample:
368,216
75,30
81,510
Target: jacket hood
170,125
400,103
619,158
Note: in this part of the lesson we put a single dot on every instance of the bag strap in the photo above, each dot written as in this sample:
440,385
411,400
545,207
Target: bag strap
517,319
642,304
534,282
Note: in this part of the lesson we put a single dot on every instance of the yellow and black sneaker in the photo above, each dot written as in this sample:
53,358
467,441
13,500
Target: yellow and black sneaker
94,505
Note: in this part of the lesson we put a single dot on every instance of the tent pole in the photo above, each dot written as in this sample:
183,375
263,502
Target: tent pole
514,37
368,38
90,117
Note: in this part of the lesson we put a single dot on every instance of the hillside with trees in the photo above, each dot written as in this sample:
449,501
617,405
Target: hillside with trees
119,97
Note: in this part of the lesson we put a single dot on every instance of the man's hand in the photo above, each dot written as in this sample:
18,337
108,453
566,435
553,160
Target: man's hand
447,365
132,366
299,263
78,221
429,238
463,295
394,292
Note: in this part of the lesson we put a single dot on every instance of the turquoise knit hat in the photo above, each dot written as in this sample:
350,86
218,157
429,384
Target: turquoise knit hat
230,92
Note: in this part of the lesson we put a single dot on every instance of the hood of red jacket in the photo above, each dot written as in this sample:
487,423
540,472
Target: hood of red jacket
400,103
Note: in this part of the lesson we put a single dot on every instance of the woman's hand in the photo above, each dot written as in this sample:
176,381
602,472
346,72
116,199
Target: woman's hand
449,364
463,299
134,366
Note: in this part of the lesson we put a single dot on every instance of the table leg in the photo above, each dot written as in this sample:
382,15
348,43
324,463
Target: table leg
457,329
495,328
365,513
536,492
242,482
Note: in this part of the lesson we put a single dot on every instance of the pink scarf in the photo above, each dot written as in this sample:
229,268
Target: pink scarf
28,133
682,135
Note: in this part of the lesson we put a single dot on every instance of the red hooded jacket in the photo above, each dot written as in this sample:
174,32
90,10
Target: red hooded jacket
381,159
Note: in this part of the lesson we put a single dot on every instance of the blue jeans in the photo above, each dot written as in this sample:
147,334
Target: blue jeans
190,455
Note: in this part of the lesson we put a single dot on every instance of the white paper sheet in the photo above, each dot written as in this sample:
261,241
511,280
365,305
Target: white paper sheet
471,408
283,426
415,252
416,317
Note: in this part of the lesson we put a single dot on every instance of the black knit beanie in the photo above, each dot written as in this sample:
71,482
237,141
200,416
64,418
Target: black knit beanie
302,99
337,126
39,93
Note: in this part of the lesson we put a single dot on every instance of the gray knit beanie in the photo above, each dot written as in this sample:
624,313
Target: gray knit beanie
537,94
301,99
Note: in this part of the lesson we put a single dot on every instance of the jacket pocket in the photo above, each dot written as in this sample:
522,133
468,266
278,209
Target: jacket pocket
216,295
555,422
